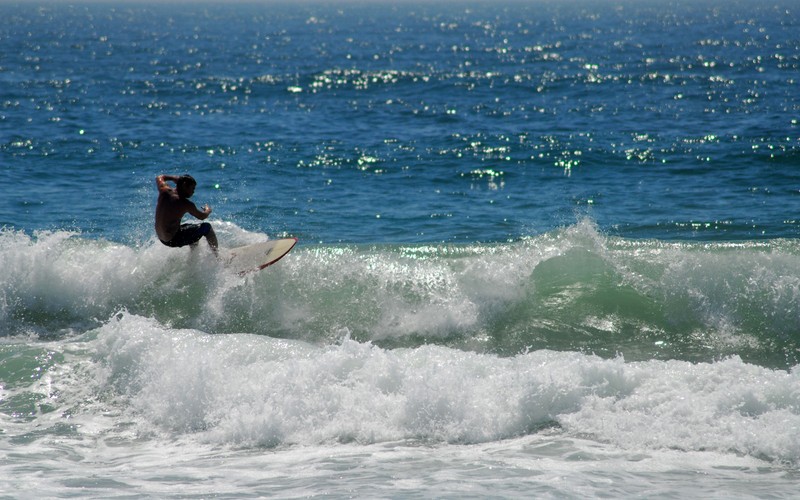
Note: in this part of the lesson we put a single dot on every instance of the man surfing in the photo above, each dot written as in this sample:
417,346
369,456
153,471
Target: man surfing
172,204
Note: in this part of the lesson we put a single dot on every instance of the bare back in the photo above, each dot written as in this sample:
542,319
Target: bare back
171,208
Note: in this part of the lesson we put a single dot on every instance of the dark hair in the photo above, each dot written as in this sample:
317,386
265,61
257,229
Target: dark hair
186,180
185,185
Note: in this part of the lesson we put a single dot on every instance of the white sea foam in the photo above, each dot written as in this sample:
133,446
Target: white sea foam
249,390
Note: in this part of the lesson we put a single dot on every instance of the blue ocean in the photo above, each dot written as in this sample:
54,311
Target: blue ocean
547,249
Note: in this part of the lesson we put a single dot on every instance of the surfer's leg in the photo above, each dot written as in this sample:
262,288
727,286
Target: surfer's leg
211,237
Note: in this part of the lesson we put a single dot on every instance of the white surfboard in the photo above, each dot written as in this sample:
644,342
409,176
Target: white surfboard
249,258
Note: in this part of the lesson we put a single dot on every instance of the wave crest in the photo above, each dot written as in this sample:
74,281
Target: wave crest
570,289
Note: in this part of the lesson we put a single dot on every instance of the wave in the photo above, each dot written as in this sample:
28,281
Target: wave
135,379
573,289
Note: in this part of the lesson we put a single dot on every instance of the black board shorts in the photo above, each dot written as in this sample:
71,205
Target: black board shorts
188,234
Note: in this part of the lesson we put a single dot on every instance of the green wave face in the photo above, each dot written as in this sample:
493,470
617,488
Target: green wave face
571,289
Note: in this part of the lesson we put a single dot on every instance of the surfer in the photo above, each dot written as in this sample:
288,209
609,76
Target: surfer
172,204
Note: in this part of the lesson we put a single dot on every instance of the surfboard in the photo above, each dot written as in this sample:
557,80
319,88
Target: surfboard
249,258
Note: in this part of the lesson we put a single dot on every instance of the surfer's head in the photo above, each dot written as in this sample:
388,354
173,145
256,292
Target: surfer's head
186,185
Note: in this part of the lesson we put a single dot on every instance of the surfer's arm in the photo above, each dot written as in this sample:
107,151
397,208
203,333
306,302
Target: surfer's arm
161,181
200,214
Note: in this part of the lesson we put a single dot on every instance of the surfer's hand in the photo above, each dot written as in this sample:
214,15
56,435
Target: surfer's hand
207,209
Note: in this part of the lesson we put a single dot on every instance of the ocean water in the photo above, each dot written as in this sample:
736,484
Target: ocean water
547,249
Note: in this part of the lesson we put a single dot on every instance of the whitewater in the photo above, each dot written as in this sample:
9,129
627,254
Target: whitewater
364,369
